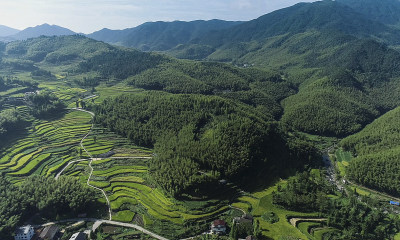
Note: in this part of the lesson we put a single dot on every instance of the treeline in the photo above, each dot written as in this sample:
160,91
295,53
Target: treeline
88,81
45,104
40,194
196,133
10,120
353,219
11,82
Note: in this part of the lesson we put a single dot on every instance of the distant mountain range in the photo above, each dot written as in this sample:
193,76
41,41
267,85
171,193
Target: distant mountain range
7,31
9,34
199,39
161,36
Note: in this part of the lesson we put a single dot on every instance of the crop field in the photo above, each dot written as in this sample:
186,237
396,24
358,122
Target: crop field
49,145
125,180
343,159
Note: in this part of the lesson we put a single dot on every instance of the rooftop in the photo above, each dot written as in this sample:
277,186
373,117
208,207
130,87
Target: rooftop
78,236
219,223
49,232
23,229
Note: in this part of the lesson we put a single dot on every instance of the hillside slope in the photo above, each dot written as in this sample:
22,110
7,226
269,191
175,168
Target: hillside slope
385,11
160,36
377,148
7,31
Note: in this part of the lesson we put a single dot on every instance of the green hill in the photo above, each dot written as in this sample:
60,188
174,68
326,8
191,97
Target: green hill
201,133
377,148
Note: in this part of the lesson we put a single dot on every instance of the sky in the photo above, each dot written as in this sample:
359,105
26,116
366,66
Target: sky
86,16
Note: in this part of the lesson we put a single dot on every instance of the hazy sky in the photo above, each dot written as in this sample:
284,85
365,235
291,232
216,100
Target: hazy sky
91,15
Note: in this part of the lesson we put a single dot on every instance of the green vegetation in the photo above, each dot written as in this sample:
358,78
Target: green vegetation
341,212
40,194
199,134
45,104
208,121
376,148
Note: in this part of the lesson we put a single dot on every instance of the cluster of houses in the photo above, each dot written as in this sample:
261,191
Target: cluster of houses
51,232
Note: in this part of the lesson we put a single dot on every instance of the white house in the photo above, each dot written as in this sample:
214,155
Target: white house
24,233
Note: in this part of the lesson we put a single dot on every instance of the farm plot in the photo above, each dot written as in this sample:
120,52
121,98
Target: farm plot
275,221
48,146
127,183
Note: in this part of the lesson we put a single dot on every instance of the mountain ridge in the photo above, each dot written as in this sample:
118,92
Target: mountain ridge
160,36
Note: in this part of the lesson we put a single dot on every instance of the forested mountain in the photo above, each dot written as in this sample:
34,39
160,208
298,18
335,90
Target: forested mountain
385,11
160,36
249,38
7,31
44,29
377,148
321,15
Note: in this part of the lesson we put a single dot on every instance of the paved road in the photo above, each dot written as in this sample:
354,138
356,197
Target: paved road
98,222
129,225
69,163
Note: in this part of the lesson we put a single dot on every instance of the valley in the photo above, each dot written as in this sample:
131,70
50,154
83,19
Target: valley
283,127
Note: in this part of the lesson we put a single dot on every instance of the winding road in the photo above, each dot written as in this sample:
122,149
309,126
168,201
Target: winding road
98,222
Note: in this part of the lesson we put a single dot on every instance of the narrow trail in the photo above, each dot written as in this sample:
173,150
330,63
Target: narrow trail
90,164
239,209
98,222
294,221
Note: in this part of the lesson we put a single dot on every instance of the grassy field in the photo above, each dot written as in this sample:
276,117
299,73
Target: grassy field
342,160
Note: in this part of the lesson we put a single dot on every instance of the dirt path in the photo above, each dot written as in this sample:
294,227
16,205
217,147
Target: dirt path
294,221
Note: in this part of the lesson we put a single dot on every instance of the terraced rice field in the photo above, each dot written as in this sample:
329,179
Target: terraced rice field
125,181
48,146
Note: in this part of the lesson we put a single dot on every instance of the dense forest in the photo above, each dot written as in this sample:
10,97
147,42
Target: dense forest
377,149
201,134
45,104
40,194
10,120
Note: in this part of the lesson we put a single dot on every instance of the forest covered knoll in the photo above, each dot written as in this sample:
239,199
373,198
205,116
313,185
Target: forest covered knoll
199,133
377,148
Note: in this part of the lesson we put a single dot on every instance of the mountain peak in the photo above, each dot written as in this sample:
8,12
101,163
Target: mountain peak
44,29
7,31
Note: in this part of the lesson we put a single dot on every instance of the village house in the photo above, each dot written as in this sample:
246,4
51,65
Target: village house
24,233
218,227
